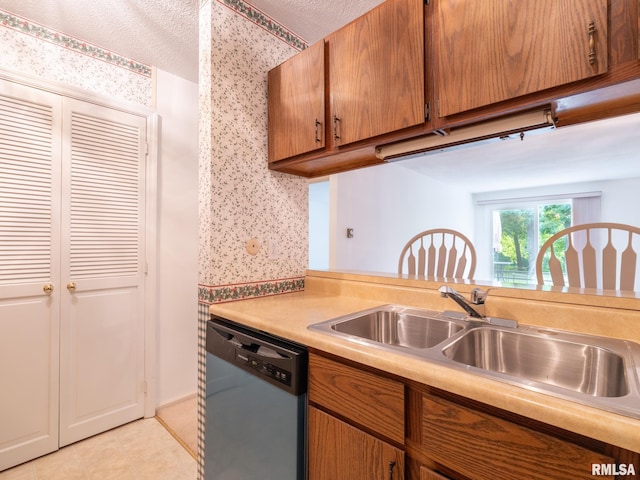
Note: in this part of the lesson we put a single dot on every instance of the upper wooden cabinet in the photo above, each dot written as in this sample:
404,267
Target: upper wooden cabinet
376,72
296,104
488,52
340,95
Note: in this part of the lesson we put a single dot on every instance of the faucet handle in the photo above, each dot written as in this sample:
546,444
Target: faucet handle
478,296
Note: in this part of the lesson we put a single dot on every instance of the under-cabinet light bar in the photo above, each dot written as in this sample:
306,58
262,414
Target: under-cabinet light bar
497,129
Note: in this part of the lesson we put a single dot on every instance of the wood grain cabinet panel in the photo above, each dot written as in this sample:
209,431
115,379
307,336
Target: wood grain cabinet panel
487,52
296,107
483,447
339,451
375,402
376,72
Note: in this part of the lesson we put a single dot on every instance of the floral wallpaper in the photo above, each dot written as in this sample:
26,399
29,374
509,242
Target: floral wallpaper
30,48
240,199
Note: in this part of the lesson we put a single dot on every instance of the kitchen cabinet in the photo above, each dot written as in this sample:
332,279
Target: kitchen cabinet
334,98
488,52
339,451
476,445
356,423
406,70
361,420
376,72
296,104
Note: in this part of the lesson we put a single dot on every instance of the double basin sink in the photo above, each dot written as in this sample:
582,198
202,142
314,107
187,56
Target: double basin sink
596,371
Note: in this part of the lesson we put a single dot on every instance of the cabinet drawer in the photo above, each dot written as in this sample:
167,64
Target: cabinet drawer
368,400
481,446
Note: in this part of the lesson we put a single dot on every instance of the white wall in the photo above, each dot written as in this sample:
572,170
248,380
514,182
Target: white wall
386,205
177,298
319,225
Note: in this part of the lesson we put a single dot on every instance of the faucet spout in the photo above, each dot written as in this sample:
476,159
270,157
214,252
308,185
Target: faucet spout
446,291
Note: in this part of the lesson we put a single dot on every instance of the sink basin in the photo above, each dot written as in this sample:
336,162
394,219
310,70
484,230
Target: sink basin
595,371
544,358
395,326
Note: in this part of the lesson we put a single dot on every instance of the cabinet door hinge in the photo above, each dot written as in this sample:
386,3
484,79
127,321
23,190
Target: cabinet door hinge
144,386
427,111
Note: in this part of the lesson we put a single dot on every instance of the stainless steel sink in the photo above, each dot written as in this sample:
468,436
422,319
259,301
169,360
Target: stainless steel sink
574,365
396,327
595,371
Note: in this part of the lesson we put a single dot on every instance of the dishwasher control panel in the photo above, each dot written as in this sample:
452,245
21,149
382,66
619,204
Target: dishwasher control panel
265,368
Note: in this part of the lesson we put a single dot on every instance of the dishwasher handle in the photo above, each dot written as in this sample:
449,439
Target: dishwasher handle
246,344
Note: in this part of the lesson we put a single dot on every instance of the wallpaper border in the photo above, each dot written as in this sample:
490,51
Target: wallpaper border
240,291
23,25
261,19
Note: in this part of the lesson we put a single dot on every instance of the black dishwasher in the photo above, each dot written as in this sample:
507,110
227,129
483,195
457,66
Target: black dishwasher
255,417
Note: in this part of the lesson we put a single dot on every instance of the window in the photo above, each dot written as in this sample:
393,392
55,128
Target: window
516,228
517,236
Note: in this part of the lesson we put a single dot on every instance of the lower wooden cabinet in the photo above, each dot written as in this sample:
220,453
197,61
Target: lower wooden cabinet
481,446
428,474
339,451
368,425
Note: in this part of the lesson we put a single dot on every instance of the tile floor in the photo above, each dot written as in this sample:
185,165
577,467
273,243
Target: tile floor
141,450
181,419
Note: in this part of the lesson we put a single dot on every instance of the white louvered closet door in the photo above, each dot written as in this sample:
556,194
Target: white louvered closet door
102,322
29,272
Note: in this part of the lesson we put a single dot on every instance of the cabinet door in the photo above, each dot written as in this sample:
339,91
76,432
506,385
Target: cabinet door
488,52
339,451
376,72
296,104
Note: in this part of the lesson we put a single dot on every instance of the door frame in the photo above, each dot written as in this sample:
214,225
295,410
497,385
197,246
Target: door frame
151,199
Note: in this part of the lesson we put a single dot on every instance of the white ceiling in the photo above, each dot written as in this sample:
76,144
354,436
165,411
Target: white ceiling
164,33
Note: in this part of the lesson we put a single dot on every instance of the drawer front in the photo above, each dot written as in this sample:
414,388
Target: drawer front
481,446
368,400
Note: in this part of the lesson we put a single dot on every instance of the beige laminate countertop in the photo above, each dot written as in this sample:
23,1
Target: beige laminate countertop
289,315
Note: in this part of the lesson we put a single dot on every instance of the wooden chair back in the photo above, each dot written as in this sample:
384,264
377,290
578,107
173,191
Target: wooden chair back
596,255
438,253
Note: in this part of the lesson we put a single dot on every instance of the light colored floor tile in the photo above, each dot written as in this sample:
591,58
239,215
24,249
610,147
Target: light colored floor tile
21,472
182,419
140,450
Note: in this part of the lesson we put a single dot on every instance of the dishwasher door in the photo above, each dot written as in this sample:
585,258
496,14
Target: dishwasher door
256,399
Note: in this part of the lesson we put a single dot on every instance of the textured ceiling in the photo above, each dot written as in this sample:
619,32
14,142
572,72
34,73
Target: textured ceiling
164,33
314,19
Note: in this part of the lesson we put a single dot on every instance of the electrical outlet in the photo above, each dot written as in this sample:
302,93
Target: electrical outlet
273,252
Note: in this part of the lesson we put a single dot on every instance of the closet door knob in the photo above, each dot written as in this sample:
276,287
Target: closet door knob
48,288
71,286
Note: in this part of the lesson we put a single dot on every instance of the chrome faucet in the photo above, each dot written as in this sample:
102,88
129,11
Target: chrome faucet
478,297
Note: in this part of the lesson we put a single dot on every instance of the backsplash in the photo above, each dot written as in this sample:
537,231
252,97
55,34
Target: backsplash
30,48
